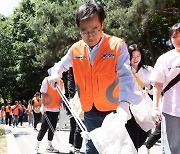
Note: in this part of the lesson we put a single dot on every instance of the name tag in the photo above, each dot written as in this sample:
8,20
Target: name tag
80,57
108,55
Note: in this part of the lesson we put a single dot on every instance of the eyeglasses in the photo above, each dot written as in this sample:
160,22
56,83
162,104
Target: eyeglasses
93,33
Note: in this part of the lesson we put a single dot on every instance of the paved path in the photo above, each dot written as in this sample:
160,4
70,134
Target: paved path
21,140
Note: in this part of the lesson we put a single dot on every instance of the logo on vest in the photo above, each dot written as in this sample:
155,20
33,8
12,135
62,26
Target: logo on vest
108,55
80,57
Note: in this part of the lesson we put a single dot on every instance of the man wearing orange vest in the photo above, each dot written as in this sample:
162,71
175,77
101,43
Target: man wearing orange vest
51,101
15,109
2,115
8,111
101,70
36,103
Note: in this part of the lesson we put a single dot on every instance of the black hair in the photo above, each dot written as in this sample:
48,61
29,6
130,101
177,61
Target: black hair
88,10
37,94
174,29
142,63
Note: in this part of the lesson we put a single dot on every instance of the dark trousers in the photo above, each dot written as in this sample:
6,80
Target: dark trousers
154,137
21,120
52,117
37,118
137,134
93,119
75,136
8,119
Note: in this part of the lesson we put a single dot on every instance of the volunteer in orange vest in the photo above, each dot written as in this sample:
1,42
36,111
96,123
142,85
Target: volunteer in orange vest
51,101
36,103
8,111
21,112
15,110
2,115
29,112
101,70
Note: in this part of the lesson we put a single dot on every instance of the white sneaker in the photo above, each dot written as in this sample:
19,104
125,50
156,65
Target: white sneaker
77,151
71,150
51,149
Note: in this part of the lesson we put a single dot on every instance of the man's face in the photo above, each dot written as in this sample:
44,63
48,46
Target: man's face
176,41
91,30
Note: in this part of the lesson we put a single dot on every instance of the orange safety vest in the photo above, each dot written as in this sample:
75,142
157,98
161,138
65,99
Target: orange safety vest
15,110
2,112
8,110
52,98
36,102
97,83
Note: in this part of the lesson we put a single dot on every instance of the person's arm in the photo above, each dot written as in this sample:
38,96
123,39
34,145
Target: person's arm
60,67
149,84
156,113
63,65
42,97
126,78
157,94
43,90
71,89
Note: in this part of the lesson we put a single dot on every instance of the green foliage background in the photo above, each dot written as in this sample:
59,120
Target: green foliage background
39,33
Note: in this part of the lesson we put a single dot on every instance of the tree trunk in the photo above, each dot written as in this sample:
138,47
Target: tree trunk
3,96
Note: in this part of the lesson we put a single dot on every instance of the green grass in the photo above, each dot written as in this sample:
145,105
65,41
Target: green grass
3,143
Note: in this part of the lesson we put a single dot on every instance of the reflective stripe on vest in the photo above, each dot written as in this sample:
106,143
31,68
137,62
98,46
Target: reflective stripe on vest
52,98
97,83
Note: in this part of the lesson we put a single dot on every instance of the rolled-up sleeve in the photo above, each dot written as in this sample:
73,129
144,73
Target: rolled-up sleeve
126,79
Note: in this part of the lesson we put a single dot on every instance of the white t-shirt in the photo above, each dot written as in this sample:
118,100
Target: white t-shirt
143,74
166,68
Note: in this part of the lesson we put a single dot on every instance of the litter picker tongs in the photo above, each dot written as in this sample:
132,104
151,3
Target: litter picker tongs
69,106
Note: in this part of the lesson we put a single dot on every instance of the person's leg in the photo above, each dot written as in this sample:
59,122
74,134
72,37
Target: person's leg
77,139
21,120
39,117
29,122
10,119
93,119
43,129
6,119
35,119
52,117
31,119
136,133
154,137
72,130
13,121
173,132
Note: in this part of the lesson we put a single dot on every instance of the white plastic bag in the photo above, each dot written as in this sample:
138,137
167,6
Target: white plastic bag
112,137
76,106
142,113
